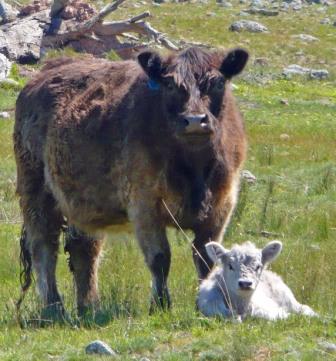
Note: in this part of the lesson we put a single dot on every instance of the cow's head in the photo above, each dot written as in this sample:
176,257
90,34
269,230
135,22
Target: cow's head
192,85
242,266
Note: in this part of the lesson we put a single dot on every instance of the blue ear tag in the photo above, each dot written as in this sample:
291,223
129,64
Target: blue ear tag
153,85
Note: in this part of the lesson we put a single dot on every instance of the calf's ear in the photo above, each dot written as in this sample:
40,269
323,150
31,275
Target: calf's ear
271,251
151,63
234,62
215,251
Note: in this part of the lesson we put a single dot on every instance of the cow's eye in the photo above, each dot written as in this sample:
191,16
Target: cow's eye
230,266
170,85
258,268
219,84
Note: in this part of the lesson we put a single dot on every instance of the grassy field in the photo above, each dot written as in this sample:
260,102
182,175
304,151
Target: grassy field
292,153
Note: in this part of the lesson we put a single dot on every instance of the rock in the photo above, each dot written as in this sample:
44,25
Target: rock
262,11
325,21
305,37
224,4
284,102
21,39
4,115
248,25
261,61
100,348
284,137
297,7
7,13
284,7
248,176
5,66
295,69
328,346
257,3
319,73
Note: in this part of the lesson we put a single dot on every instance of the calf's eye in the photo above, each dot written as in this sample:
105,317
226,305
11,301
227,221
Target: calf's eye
258,268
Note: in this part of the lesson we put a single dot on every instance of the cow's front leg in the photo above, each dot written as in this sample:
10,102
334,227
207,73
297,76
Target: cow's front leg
205,233
211,228
155,247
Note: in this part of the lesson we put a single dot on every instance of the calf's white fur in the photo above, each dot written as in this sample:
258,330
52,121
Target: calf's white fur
240,286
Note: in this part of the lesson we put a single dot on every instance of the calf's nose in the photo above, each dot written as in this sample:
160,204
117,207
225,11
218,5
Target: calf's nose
245,284
196,123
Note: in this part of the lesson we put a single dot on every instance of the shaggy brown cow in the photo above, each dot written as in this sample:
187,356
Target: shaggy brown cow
99,142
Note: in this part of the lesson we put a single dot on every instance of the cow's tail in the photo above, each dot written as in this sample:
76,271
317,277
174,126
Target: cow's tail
25,267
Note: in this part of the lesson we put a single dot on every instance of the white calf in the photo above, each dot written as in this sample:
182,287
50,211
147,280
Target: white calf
240,286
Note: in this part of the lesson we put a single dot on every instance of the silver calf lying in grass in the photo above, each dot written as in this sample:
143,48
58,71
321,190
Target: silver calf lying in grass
240,286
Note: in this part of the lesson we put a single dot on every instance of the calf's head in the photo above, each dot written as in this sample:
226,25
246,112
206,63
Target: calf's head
192,85
242,266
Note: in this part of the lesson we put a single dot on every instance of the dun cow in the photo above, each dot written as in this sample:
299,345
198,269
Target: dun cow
98,143
240,285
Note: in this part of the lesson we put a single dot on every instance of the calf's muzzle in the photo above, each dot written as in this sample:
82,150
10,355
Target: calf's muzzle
245,284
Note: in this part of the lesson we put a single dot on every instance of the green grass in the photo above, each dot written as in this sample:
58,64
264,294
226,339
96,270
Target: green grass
294,200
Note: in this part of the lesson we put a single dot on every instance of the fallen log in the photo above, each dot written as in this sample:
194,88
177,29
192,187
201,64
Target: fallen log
27,38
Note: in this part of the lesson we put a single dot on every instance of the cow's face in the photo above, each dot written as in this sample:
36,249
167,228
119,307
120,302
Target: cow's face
242,266
192,86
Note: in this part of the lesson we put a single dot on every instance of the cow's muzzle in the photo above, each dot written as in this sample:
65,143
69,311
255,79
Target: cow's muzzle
197,124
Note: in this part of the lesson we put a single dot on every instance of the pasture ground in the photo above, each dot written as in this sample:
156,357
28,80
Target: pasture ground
294,200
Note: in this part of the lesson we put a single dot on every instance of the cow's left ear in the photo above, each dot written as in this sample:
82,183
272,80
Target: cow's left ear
151,63
271,251
234,62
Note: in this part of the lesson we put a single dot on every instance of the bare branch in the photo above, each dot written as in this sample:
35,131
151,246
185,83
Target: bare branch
136,18
100,16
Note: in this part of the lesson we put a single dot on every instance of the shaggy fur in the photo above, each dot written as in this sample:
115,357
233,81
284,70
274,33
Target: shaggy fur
240,285
99,143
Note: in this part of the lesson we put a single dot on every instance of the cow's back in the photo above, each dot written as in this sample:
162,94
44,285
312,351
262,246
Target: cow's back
69,123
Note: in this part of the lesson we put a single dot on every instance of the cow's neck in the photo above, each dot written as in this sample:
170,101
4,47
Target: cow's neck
188,174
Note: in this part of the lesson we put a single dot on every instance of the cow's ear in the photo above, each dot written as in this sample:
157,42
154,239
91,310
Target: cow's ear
215,251
234,62
271,251
151,63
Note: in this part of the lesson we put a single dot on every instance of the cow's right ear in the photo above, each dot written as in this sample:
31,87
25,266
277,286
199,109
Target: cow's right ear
151,63
215,251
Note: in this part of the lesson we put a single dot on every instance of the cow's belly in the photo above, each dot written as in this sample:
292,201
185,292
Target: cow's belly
90,204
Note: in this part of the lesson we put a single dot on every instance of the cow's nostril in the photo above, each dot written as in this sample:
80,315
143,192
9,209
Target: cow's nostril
186,122
204,120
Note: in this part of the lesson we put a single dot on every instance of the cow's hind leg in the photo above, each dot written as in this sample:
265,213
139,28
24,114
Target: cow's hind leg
84,251
39,247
